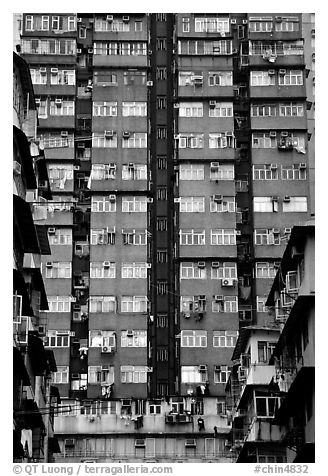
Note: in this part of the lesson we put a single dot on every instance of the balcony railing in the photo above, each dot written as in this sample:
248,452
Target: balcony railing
286,371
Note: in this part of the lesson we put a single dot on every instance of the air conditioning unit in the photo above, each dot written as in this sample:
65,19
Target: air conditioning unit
271,72
244,22
54,70
217,198
202,368
140,443
110,18
150,83
176,136
218,297
106,264
109,134
90,50
37,101
212,103
278,19
302,165
76,307
217,368
112,198
274,198
227,282
233,21
176,106
286,199
77,167
75,376
69,442
197,80
273,166
201,264
64,133
79,50
81,145
126,135
287,231
17,168
48,264
58,102
284,134
234,51
275,231
106,349
126,18
43,70
186,315
215,165
78,20
282,72
150,200
215,264
190,443
51,231
229,134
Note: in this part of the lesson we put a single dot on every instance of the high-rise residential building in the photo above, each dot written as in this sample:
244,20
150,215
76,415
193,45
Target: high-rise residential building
177,150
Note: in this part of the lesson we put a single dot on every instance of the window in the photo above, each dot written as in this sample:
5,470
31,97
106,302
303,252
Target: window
61,236
212,25
102,269
161,256
135,140
266,237
186,78
161,162
71,24
115,25
102,338
295,204
220,406
42,107
161,193
65,108
221,374
192,304
193,338
221,172
61,375
221,140
223,237
29,23
267,269
161,321
136,78
228,304
102,304
260,24
224,204
262,78
223,270
105,139
162,354
225,338
102,236
134,237
38,77
134,270
57,339
191,109
260,304
264,351
263,110
192,237
134,172
161,44
134,304
48,47
160,16
190,270
82,32
291,109
161,132
264,204
221,109
185,25
105,78
102,109
220,78
133,374
264,140
59,303
161,102
134,204
155,407
269,49
62,77
192,204
266,406
293,172
161,223
80,382
191,172
121,48
58,269
161,73
131,109
193,374
191,141
102,203
291,78
134,338
265,172
288,24
98,375
137,25
50,141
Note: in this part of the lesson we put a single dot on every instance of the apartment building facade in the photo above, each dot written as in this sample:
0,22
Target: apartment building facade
34,396
176,147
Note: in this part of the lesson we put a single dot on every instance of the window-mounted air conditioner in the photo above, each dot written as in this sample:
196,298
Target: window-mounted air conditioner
109,134
233,21
284,134
129,333
282,72
126,135
37,101
202,368
64,133
212,103
287,231
81,145
201,264
286,198
54,70
48,264
215,264
215,165
278,19
190,443
112,198
43,70
217,368
273,166
227,282
51,231
78,20
76,307
302,165
244,22
274,198
217,198
90,50
218,297
140,443
126,18
69,442
106,349
79,50
271,72
106,264
150,83
110,18
58,102
275,231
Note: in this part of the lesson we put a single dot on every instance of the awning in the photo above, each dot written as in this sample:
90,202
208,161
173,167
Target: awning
42,234
24,226
37,354
19,368
27,161
25,77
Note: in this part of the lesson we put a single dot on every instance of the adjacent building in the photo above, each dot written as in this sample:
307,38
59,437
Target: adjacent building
177,151
35,397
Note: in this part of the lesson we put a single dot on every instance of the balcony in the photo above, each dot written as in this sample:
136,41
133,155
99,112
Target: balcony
287,371
261,430
178,418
